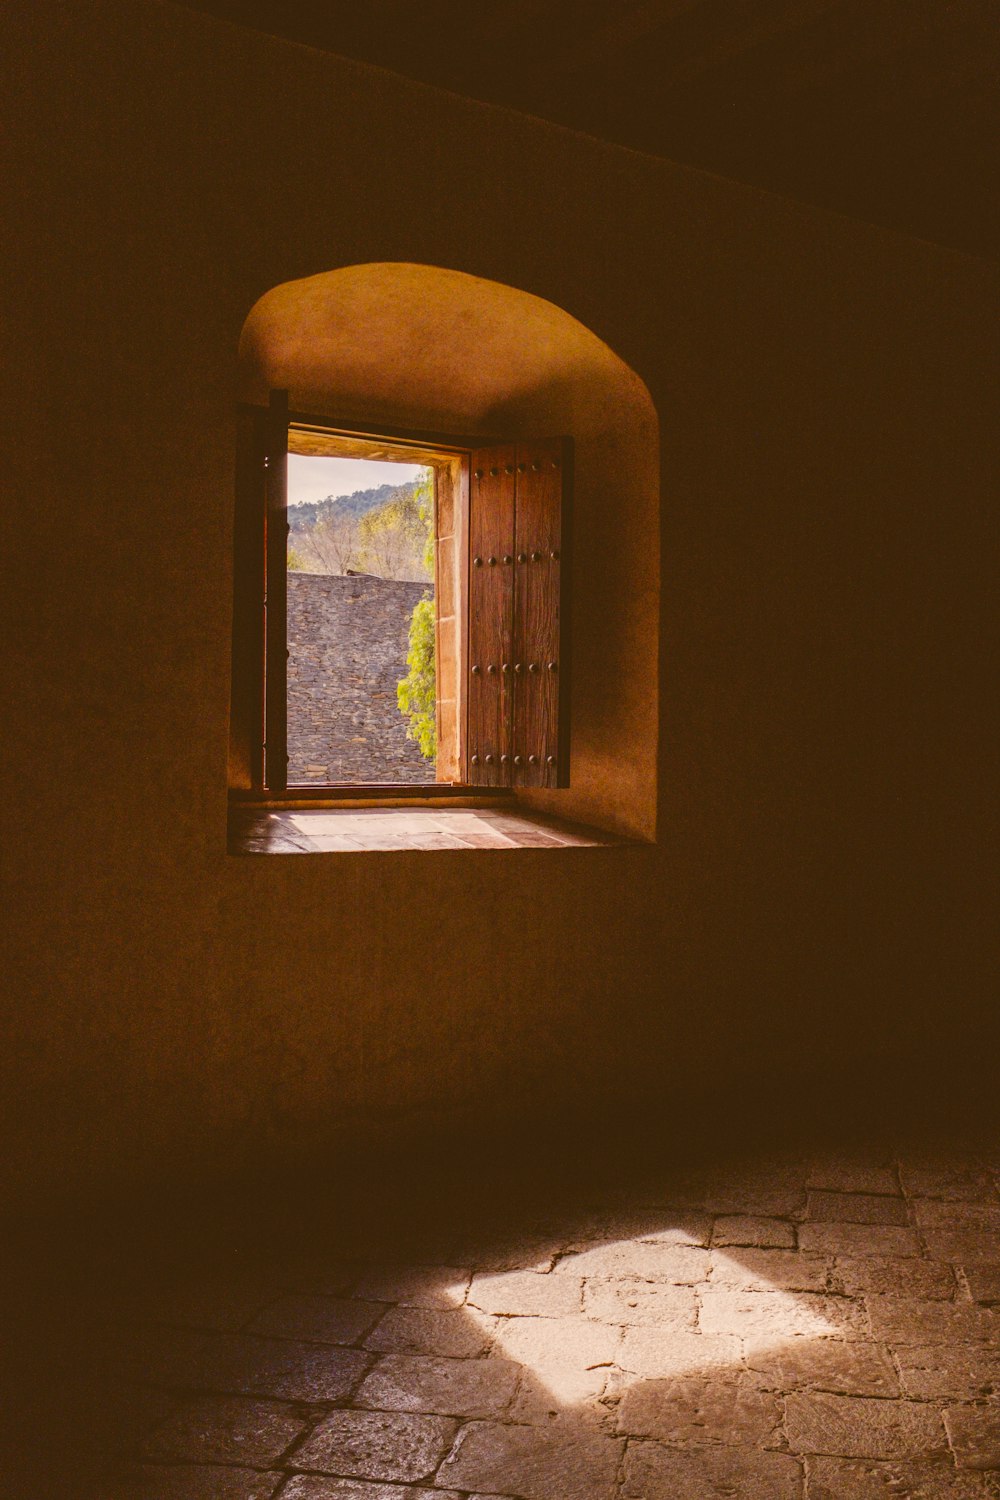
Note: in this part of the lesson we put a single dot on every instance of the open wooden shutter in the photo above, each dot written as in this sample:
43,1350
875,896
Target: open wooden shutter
246,719
518,730
541,741
276,593
490,692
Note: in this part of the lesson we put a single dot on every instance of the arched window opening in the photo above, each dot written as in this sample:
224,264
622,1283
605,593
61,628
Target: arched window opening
382,365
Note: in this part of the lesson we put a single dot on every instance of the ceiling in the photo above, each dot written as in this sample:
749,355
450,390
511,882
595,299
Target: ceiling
888,110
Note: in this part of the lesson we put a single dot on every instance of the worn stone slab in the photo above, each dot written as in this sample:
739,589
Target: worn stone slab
906,1320
196,1482
892,1276
861,1479
446,1387
245,1364
699,1409
747,1229
427,1330
983,1283
376,1445
537,1404
957,1181
652,1353
974,1435
506,1252
852,1177
640,1260
772,1202
958,1218
569,1355
857,1240
963,1247
957,1372
324,1487
774,1191
656,1472
656,1226
771,1270
564,1461
318,1319
526,1294
414,1286
642,1303
226,1430
777,1315
843,1366
856,1208
859,1427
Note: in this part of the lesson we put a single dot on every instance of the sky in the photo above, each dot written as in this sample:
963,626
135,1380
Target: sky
315,478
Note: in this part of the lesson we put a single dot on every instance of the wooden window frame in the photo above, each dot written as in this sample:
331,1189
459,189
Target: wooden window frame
258,727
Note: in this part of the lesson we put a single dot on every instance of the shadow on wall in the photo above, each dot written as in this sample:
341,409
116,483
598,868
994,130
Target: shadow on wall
436,351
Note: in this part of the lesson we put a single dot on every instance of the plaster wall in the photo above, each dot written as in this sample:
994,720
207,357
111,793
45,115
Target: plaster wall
818,892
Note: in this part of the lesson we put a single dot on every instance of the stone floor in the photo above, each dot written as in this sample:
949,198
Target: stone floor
812,1326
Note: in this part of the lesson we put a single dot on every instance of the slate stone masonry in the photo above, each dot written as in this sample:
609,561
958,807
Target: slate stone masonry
347,639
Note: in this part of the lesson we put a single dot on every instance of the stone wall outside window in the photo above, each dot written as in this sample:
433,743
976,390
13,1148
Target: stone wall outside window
347,640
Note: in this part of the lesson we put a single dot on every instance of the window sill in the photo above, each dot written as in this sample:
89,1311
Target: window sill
346,830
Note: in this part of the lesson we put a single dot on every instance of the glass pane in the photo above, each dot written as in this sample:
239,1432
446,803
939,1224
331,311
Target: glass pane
361,668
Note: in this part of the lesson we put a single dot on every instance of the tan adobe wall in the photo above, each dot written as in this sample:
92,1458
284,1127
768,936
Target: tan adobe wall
816,896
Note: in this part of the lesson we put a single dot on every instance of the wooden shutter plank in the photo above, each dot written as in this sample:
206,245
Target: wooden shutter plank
276,613
246,722
540,730
491,610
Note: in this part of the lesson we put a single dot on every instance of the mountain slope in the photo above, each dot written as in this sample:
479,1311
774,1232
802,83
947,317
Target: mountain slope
305,515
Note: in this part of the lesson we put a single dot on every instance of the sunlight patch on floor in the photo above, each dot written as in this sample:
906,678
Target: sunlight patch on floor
636,1311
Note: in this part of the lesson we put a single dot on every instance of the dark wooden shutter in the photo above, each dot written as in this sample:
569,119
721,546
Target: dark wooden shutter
246,720
491,616
541,745
518,733
276,594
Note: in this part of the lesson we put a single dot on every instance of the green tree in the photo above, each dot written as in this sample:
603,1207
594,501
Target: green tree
393,538
295,563
416,694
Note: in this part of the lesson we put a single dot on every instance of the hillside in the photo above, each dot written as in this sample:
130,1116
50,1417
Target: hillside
384,531
305,515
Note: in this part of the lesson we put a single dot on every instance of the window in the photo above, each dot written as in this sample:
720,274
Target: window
501,538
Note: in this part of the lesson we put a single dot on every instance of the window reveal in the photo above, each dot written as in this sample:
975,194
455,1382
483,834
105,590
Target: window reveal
502,537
